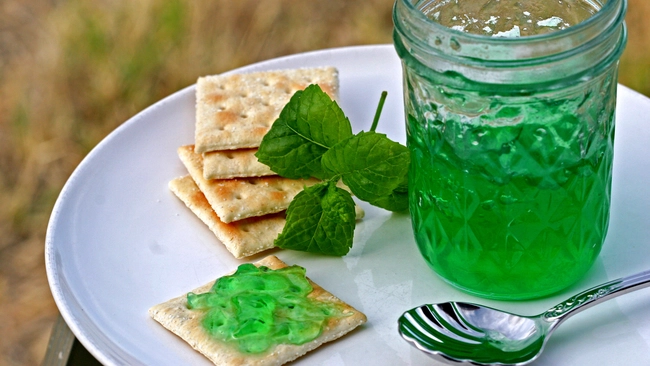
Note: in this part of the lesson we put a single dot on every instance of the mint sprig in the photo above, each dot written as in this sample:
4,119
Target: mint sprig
309,125
313,137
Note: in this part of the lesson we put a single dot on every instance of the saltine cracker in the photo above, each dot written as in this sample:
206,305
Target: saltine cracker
240,198
240,163
242,238
235,111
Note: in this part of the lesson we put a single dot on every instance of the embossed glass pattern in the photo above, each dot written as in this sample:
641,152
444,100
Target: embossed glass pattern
511,154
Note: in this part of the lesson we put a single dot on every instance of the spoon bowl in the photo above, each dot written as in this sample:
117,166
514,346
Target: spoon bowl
458,331
470,334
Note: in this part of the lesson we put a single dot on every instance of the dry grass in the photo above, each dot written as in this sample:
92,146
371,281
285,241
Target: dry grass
71,71
635,63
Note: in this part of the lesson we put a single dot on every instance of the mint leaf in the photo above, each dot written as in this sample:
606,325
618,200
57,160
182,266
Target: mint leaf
307,127
396,201
320,219
371,165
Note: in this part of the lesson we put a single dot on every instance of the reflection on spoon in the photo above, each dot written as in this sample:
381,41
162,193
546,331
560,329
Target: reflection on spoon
462,333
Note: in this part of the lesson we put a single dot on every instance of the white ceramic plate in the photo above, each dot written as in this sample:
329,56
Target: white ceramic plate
119,242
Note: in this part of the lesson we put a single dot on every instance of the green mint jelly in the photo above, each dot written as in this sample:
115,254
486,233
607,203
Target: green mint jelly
509,18
258,307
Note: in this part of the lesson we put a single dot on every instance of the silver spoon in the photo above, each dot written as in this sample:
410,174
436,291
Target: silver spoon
470,334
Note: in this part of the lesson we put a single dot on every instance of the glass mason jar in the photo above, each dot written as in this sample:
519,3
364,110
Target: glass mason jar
511,144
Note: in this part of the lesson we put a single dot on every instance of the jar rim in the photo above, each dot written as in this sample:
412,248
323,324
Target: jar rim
559,57
605,10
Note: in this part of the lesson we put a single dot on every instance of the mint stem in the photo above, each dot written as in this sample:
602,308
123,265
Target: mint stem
380,106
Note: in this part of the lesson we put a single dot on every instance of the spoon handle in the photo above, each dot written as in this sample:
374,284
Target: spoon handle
596,295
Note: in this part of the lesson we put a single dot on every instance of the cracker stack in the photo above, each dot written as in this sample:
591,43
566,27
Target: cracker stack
238,198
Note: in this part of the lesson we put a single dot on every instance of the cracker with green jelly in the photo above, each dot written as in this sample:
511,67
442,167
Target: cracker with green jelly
188,325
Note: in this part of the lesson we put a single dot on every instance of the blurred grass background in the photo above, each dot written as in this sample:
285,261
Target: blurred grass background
73,70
